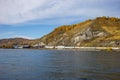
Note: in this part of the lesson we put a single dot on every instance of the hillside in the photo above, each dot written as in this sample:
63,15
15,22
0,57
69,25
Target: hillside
8,43
102,31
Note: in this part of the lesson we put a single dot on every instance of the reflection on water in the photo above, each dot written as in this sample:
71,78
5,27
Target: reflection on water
58,65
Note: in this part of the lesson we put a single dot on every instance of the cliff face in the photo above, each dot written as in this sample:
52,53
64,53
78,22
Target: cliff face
102,31
87,34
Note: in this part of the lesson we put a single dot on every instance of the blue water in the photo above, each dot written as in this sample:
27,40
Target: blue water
18,64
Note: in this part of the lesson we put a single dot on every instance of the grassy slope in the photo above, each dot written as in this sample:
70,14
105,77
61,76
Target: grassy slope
105,24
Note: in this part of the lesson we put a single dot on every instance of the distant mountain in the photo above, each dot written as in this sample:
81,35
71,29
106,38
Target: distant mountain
102,31
8,43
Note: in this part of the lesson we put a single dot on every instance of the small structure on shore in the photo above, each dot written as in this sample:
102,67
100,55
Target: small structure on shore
15,46
21,46
39,45
26,46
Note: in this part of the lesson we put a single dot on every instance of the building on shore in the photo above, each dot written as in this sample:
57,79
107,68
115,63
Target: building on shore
15,46
26,46
21,46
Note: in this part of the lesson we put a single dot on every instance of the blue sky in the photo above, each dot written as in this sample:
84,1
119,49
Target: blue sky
35,18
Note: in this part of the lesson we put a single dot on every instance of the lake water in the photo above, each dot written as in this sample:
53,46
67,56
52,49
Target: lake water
18,64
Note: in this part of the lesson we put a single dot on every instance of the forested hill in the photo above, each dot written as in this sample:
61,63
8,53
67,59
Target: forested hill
102,31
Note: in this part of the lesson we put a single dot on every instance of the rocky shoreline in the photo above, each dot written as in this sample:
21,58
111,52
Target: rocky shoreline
73,48
89,48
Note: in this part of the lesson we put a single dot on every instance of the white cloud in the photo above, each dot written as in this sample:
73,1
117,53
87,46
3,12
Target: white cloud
19,11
